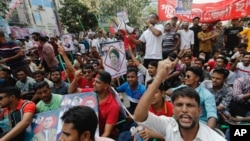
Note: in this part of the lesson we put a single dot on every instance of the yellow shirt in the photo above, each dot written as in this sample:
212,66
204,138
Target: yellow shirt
205,46
247,33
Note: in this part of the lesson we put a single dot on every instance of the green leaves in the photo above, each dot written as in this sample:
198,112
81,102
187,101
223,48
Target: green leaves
3,9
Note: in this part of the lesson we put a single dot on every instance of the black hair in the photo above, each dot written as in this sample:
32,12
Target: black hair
36,33
156,16
105,77
88,66
201,60
39,72
162,87
113,50
132,69
153,63
8,71
240,45
26,37
55,70
225,61
42,38
221,70
83,119
246,53
187,56
19,70
11,90
197,71
40,85
185,92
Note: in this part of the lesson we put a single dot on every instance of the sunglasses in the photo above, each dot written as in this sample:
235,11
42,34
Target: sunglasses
188,76
1,97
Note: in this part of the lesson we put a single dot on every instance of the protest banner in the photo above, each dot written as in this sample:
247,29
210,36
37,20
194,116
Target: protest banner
67,42
114,58
50,121
210,11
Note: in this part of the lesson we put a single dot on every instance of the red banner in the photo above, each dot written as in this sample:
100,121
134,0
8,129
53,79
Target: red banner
222,10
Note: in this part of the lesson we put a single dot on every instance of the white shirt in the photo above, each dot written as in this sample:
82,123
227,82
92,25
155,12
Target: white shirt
241,70
187,38
169,129
153,43
144,71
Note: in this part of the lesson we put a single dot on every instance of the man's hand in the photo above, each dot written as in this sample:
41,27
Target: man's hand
78,74
2,61
145,133
61,50
163,69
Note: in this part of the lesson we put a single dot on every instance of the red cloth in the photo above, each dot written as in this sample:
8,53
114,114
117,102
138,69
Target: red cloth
167,110
126,40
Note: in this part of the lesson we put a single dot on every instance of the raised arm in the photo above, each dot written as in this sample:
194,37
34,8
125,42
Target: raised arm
68,63
141,111
73,87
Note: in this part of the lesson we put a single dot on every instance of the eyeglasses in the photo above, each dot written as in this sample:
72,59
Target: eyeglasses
1,97
188,76
84,72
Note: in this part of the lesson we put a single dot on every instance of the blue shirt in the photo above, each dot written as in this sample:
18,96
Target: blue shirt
133,95
207,103
63,89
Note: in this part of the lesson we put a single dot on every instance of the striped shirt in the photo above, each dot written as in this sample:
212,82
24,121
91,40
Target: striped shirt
10,49
168,39
241,86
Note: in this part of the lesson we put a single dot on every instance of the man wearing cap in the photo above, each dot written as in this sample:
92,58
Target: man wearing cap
108,107
196,29
153,39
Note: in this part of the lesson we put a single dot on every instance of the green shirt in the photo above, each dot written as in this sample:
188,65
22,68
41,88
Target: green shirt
55,103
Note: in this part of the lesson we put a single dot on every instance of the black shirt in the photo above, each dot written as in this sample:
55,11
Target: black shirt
232,39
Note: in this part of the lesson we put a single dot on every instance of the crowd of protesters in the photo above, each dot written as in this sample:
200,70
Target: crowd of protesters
194,77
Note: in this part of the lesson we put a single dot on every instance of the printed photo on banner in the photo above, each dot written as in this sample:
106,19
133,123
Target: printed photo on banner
122,16
114,58
67,42
183,6
47,126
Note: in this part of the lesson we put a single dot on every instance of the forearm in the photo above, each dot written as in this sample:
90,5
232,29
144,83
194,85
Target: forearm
20,127
141,111
233,67
18,55
211,122
174,74
73,86
137,42
246,96
155,31
156,135
68,64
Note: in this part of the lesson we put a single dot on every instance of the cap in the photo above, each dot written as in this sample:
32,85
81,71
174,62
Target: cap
78,54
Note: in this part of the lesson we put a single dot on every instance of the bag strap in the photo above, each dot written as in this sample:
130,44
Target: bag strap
23,105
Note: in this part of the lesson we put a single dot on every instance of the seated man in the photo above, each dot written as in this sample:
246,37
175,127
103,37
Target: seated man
17,112
240,104
185,124
59,87
48,101
193,78
5,75
40,76
133,89
79,124
108,106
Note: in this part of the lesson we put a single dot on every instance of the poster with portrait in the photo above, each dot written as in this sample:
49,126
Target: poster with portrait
67,42
122,16
114,58
183,6
47,126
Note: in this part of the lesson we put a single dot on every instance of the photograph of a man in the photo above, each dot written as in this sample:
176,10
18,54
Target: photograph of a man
45,130
67,42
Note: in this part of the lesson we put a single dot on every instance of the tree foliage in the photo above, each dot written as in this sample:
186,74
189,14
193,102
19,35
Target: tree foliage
3,8
76,17
111,7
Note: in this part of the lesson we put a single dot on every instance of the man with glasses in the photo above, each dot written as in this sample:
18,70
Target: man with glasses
193,77
17,112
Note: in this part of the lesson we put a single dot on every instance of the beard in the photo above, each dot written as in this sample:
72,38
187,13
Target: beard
186,127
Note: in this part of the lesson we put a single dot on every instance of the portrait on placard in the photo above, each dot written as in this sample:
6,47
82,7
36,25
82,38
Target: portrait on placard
114,58
67,42
183,6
